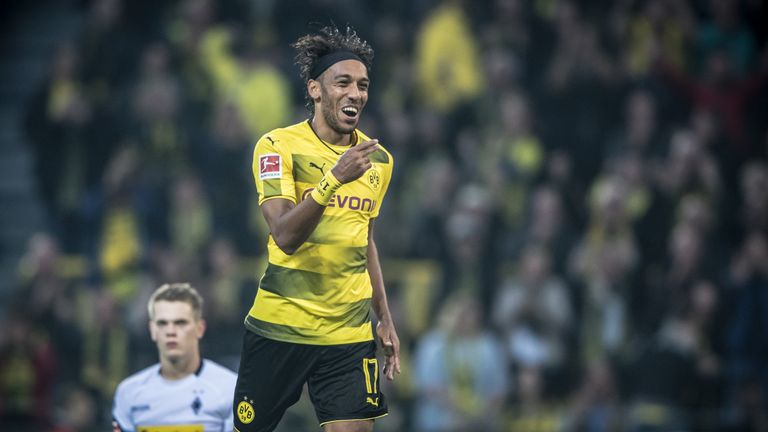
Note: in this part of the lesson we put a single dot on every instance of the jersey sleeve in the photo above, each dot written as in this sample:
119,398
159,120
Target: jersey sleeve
386,178
273,169
229,421
120,412
229,414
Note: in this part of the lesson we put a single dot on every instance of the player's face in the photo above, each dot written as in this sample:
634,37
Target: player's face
175,330
344,92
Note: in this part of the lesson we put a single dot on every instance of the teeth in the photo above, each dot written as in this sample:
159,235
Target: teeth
350,111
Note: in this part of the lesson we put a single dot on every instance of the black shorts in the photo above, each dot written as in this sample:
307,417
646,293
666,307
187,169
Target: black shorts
343,382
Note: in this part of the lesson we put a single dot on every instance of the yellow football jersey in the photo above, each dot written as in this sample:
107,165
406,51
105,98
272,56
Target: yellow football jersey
321,294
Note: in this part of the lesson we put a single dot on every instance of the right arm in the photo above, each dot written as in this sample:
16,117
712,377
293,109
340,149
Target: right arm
291,224
121,421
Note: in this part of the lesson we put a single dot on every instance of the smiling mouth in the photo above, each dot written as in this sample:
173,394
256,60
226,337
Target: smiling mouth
350,112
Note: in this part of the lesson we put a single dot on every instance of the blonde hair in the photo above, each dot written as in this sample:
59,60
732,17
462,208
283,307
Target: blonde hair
177,292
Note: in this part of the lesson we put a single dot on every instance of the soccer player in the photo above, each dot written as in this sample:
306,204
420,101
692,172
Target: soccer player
184,392
321,183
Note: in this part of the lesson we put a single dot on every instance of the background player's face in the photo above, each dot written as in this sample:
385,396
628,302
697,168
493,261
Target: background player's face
343,94
175,329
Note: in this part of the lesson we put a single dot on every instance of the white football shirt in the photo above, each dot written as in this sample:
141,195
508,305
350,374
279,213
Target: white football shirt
200,402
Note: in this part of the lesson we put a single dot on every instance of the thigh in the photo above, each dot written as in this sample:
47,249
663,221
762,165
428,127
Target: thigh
344,386
269,381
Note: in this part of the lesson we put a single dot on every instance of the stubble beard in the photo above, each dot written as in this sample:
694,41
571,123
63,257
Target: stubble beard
330,116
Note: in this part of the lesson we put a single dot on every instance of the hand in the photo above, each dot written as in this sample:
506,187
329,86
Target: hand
390,343
354,162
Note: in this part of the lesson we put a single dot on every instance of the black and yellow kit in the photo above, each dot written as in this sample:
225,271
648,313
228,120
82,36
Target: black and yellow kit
321,294
315,303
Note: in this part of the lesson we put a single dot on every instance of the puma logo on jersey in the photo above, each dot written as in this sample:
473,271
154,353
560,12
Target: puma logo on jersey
374,402
321,168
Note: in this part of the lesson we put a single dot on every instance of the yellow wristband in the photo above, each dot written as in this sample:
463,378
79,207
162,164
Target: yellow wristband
328,185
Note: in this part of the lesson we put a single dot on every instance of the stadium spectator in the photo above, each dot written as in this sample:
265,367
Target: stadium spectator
546,224
531,408
28,369
62,112
534,313
597,403
447,59
459,371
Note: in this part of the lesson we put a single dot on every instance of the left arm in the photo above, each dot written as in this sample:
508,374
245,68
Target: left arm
385,329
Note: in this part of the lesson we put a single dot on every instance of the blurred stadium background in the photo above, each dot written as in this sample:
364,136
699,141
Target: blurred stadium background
575,238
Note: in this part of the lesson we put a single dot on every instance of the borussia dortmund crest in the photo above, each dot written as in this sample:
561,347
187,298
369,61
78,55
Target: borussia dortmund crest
245,412
374,179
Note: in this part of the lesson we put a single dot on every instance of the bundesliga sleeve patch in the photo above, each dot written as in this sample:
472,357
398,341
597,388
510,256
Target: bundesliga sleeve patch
270,166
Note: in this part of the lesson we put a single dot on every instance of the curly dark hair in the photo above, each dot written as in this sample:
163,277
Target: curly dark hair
327,40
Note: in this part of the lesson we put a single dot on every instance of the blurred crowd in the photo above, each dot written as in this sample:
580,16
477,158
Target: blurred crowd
575,237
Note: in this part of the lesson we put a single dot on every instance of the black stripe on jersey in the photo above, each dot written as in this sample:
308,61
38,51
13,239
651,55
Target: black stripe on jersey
300,284
272,188
379,156
272,330
309,169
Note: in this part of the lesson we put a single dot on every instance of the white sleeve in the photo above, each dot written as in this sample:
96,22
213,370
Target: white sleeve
229,418
121,411
229,421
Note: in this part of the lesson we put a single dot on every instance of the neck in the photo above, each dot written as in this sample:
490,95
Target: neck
178,368
327,134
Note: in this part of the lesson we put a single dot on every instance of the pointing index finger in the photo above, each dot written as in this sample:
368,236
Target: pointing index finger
365,145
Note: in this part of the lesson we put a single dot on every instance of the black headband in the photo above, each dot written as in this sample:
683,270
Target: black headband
331,59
